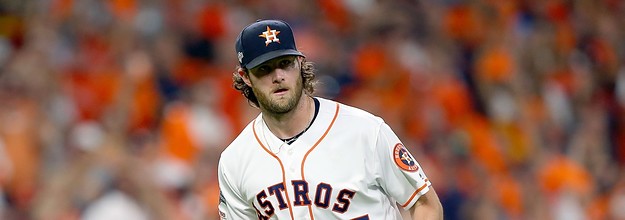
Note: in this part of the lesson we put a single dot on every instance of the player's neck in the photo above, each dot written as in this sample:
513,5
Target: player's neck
289,124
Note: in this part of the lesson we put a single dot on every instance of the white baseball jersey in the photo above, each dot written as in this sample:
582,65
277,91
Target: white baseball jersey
348,165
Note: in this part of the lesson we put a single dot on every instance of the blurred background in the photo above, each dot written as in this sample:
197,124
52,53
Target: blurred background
119,109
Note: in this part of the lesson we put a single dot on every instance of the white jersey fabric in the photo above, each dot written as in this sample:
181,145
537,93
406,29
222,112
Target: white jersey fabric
348,165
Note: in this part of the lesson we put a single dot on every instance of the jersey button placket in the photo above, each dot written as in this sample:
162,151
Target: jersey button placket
293,161
292,164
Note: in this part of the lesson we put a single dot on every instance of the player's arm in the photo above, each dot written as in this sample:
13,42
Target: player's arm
231,205
404,179
428,206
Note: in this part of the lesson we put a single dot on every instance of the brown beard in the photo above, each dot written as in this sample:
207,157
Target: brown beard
280,107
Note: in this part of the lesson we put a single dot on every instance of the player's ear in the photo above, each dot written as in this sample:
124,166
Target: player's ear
300,60
243,74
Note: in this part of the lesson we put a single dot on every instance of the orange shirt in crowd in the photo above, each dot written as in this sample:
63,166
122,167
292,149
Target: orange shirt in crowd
496,64
19,123
175,134
560,173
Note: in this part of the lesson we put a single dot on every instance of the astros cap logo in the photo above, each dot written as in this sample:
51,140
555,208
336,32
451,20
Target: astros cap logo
270,36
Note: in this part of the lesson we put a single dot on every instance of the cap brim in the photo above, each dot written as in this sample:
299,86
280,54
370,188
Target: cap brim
270,55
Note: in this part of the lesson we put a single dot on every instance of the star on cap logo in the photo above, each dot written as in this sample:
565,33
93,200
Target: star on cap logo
270,36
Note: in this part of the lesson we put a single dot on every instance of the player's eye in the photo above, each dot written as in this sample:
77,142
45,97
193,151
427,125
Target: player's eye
286,63
264,69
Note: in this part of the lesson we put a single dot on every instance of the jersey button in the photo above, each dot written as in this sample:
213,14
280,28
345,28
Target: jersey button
290,151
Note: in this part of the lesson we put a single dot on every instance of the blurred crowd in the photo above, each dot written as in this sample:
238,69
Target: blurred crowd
119,109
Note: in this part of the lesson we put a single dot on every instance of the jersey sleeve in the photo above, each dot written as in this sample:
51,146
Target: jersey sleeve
231,204
400,175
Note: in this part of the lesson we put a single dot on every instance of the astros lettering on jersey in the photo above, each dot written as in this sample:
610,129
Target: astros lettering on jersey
348,165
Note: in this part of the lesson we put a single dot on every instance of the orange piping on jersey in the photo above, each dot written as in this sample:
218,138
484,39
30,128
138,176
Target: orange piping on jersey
414,194
286,192
336,113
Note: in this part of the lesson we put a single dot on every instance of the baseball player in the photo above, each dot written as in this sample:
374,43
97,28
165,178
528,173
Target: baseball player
306,157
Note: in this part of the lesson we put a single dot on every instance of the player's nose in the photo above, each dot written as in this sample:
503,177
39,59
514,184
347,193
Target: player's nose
278,75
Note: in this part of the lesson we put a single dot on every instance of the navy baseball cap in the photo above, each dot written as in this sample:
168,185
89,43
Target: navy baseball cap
264,40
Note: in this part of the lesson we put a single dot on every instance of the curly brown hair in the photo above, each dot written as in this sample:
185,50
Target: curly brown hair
308,77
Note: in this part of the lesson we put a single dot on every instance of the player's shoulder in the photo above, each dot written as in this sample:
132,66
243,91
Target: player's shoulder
353,114
242,141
